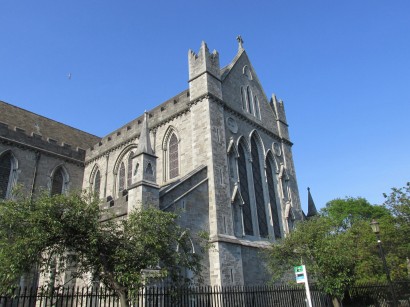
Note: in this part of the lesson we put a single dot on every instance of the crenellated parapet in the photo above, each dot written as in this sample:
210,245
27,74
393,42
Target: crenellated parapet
33,140
203,61
204,72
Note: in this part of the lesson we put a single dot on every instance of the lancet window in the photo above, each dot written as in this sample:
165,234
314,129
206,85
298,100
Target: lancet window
97,183
257,183
58,181
244,187
272,198
121,178
129,169
173,159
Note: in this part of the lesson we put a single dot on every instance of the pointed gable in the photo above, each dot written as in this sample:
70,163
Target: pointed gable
243,92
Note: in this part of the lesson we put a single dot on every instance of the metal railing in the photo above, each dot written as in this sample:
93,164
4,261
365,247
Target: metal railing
258,296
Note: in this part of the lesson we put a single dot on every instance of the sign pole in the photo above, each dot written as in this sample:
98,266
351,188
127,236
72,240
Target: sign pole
301,278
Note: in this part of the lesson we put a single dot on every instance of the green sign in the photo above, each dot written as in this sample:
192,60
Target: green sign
298,269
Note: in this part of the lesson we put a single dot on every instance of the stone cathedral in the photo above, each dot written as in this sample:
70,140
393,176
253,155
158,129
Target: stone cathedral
219,153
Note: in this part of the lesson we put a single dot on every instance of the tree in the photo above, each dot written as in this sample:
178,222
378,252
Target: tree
398,202
70,228
338,246
346,211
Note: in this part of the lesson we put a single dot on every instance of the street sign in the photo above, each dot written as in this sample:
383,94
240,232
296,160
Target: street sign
301,278
300,273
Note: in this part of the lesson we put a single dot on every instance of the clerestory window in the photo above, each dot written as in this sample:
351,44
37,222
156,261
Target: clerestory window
121,178
173,158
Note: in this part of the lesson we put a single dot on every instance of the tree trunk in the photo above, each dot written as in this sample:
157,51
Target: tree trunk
123,295
335,302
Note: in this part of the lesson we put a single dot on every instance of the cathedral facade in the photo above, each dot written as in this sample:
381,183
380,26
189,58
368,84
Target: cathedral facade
218,154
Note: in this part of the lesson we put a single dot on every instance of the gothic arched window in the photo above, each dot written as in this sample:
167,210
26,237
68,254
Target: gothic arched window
97,183
243,98
257,112
129,169
257,183
149,170
243,180
5,174
121,178
57,182
272,198
173,158
249,100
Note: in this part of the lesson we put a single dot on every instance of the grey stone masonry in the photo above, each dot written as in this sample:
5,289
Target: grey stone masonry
218,154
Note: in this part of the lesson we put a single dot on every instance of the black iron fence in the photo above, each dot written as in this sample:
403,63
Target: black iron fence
258,296
378,295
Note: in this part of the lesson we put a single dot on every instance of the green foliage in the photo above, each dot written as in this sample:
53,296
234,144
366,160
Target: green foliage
123,254
345,212
398,202
339,248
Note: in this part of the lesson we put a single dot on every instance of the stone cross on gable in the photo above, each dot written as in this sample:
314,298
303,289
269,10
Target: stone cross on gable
240,41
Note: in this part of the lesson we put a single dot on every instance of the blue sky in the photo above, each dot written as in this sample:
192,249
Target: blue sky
341,67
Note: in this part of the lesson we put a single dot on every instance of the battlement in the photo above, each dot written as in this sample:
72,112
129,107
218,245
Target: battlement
203,61
159,115
14,134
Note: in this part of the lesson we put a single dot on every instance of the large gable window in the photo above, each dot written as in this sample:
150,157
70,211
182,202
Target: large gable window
243,181
257,183
173,158
272,198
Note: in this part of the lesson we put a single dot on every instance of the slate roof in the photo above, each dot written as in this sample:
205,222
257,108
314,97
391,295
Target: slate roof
16,118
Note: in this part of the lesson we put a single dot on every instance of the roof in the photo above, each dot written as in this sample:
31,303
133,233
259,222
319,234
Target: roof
33,124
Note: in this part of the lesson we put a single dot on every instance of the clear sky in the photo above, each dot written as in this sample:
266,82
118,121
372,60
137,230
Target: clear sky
341,67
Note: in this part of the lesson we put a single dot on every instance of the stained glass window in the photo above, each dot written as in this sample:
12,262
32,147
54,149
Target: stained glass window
257,182
57,182
249,100
257,107
272,198
129,169
97,183
121,178
173,157
243,180
243,97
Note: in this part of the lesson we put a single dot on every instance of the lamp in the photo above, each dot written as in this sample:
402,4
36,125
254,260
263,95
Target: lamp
376,230
375,226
